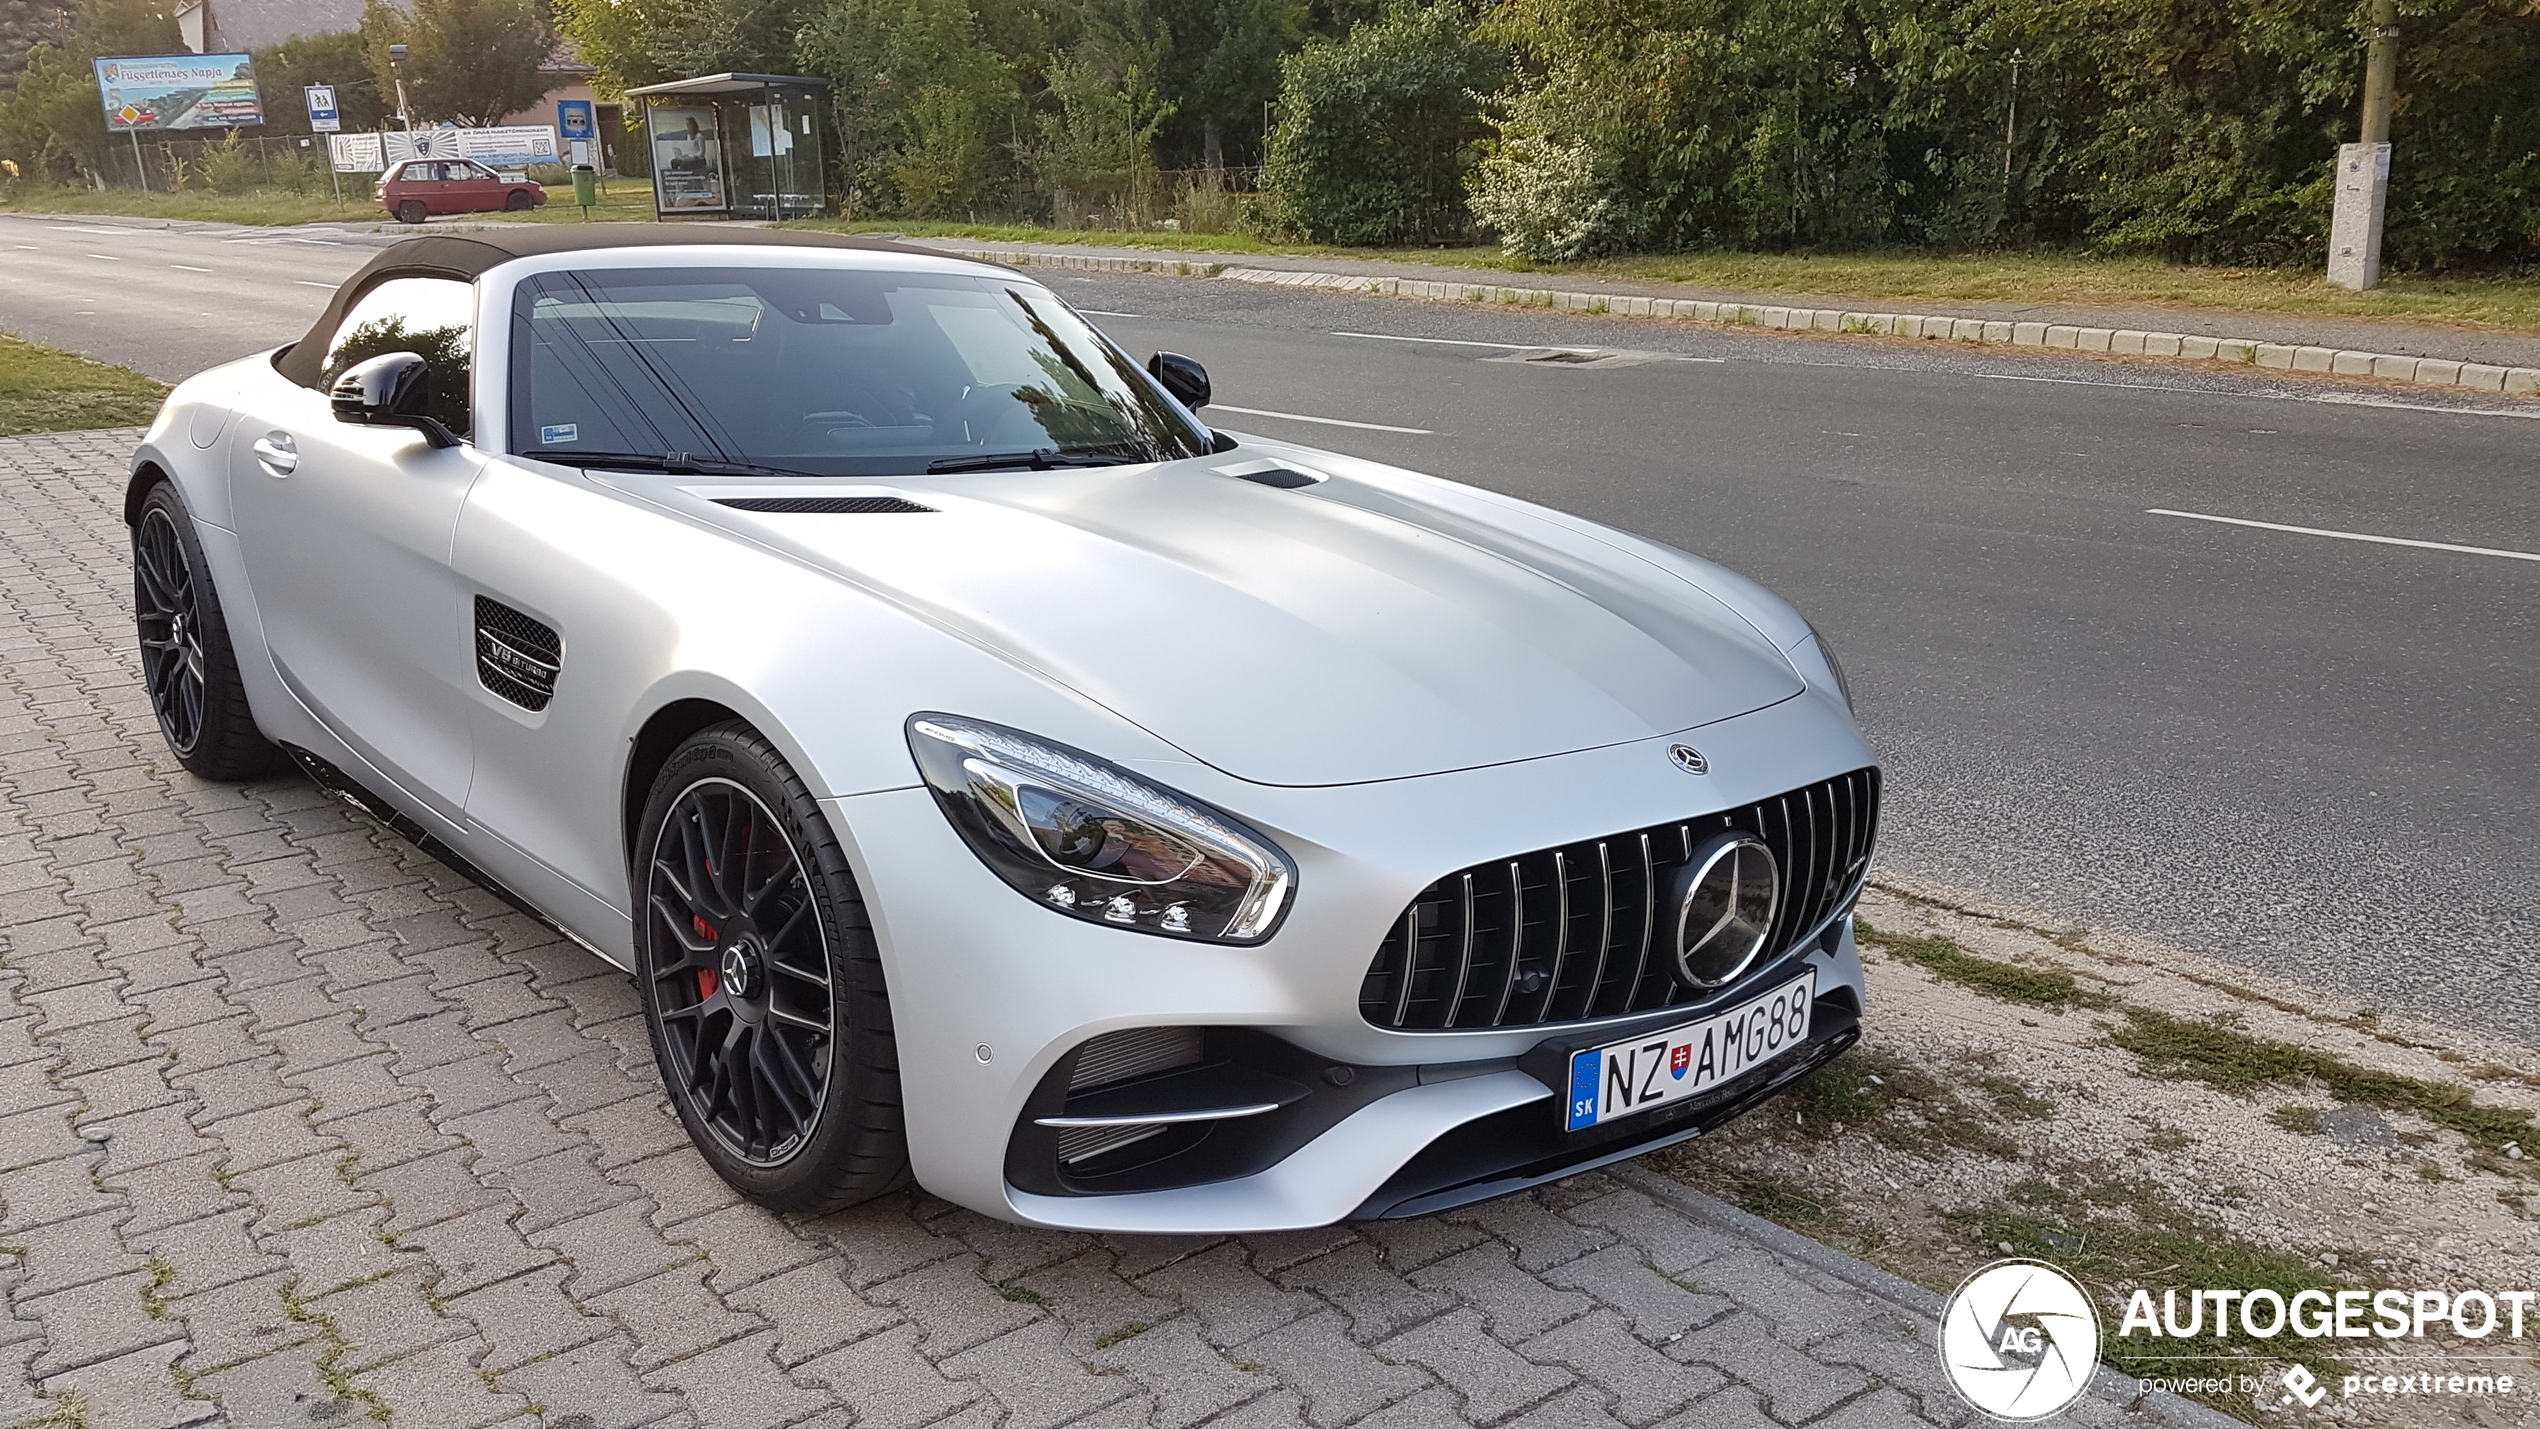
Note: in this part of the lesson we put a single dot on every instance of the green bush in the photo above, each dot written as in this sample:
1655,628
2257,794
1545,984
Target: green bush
1375,131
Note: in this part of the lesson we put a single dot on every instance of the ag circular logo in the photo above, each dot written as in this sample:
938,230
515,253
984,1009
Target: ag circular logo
2019,1339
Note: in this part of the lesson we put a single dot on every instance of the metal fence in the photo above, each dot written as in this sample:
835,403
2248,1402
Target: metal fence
285,163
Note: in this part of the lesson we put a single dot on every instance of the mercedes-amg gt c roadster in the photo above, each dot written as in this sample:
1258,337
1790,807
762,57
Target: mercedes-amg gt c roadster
991,774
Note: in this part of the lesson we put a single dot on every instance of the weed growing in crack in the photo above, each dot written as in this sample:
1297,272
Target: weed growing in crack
2231,1060
1126,1332
1943,958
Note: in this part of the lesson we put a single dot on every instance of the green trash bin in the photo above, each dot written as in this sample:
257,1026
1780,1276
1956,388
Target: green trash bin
584,186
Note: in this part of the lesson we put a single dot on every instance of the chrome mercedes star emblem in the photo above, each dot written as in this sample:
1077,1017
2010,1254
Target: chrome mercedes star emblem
736,971
1688,759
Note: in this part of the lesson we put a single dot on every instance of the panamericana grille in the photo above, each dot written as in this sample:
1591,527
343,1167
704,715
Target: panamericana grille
825,505
517,656
1575,933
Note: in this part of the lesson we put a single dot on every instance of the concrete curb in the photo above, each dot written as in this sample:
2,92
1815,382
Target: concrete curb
2110,1386
2483,378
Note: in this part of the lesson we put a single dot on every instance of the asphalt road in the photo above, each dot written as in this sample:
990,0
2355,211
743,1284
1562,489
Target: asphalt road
2309,754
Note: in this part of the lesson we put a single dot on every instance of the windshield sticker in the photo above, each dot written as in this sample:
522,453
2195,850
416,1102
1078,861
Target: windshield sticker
552,436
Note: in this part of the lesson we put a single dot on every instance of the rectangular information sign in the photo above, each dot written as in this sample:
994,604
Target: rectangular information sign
323,118
514,146
161,92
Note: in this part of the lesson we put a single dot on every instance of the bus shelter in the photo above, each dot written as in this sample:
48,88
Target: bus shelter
736,146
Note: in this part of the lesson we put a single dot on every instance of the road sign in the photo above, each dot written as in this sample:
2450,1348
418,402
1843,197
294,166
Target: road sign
573,116
323,118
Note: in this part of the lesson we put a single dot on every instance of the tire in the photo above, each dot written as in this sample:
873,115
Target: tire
790,1089
518,201
412,211
187,663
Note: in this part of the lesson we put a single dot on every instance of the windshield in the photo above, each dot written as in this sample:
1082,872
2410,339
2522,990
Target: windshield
825,372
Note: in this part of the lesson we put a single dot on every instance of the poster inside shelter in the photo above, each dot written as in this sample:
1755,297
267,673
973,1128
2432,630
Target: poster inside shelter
157,92
687,160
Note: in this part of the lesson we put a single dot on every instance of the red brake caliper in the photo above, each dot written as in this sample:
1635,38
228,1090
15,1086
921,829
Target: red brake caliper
707,981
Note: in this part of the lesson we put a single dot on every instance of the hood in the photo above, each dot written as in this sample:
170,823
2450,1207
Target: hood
1352,630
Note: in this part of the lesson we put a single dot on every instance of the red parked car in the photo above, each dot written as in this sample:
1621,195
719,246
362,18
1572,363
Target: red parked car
415,189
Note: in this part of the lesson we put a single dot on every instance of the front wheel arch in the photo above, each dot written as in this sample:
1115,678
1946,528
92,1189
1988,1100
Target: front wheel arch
651,748
137,490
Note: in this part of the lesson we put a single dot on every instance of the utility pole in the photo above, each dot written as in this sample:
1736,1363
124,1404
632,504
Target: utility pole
2011,125
397,67
2363,169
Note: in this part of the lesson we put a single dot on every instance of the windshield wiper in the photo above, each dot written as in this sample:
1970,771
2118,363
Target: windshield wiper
1046,459
674,463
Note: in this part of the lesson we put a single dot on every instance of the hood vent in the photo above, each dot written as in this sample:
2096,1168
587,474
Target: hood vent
1273,473
517,656
826,505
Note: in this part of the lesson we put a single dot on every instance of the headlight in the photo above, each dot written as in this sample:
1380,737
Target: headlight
1091,840
1834,667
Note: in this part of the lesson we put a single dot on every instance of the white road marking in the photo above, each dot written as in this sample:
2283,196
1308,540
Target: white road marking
305,283
31,248
105,232
2350,535
188,268
108,257
1466,342
1102,313
1323,421
2334,399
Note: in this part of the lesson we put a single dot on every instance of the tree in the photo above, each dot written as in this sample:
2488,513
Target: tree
1375,131
1223,66
919,97
285,70
468,61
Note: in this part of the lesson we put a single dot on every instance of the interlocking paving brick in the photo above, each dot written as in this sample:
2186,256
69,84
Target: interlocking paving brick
737,1386
1189,1380
1039,1380
887,1382
1340,1379
1794,1387
431,1126
1642,1384
673,1315
592,1387
1514,1306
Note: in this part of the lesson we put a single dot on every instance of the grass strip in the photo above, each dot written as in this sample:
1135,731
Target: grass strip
1897,280
1943,958
44,389
2235,1061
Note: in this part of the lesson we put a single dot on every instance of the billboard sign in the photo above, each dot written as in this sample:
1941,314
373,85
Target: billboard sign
514,146
162,92
323,117
687,160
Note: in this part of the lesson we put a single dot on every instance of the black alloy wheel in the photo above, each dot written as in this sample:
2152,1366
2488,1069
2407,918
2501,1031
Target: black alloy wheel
186,661
761,981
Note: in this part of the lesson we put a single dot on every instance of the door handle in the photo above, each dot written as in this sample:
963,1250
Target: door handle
277,453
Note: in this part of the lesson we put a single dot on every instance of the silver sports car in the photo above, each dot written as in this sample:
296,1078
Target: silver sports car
990,773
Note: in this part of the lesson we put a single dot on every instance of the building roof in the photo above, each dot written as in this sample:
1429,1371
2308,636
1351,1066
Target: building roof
728,84
464,256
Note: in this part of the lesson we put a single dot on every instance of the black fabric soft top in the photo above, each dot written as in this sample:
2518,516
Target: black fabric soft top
464,257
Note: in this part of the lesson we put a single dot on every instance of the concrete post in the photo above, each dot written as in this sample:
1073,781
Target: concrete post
2363,169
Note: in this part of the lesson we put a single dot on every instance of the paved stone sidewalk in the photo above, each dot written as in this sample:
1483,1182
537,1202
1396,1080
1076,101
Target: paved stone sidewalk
298,1127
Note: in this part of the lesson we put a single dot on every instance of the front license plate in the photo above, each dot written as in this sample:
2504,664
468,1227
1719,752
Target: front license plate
1626,1078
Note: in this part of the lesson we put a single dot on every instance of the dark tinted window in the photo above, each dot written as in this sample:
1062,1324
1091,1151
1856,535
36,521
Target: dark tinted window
824,371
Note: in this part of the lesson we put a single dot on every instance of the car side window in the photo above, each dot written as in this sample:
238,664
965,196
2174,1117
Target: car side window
433,318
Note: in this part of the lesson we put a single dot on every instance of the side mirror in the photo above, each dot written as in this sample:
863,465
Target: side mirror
389,390
1185,379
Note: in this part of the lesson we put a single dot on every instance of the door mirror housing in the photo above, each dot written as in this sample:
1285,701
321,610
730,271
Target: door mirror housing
1185,379
389,390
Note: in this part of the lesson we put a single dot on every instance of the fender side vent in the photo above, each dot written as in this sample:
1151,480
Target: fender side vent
517,657
826,505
